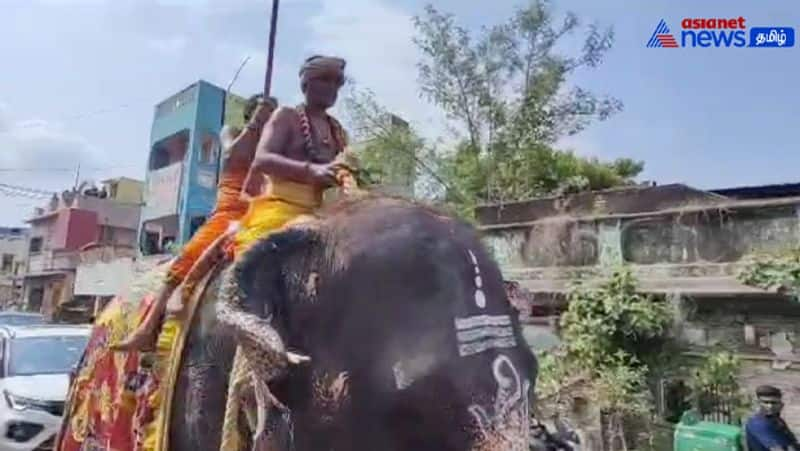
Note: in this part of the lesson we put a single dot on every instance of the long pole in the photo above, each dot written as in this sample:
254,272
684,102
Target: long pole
78,175
224,111
273,29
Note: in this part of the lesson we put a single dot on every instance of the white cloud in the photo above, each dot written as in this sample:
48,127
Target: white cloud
174,44
36,144
39,154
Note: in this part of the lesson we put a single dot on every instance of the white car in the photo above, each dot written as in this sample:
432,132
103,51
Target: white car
35,367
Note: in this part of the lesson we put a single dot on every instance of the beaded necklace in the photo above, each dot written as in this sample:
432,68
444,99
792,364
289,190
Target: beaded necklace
337,133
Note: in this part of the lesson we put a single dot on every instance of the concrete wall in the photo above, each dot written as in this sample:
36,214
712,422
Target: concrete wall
56,290
110,212
13,242
199,110
44,228
74,228
103,278
163,193
709,236
692,254
200,176
128,191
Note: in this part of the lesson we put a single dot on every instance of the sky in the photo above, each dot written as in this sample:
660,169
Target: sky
79,80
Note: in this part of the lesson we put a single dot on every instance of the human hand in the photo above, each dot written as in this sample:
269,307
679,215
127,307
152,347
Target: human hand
324,175
252,187
263,111
348,160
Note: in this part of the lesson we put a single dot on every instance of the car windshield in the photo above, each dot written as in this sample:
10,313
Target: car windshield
20,320
45,355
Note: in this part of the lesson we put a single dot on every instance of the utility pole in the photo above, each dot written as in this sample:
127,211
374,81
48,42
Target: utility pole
77,176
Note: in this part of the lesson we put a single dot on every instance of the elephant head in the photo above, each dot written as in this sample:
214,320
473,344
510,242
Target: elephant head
396,305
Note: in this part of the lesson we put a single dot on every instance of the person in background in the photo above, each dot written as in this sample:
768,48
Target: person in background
230,207
766,430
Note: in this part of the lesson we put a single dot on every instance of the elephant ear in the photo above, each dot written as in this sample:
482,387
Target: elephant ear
256,283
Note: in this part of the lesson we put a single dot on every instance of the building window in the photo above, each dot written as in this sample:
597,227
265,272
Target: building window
8,263
195,223
169,150
209,149
150,245
36,245
35,299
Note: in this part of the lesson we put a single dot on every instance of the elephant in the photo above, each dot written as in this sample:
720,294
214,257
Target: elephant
404,314
412,341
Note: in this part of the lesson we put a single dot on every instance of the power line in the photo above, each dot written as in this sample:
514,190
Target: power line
75,117
23,191
70,170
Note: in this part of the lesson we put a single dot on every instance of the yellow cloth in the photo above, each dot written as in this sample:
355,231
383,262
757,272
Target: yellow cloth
283,202
155,434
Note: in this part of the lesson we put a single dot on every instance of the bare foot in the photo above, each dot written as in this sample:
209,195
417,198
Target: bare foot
142,339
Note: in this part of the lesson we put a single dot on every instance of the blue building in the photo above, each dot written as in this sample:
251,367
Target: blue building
183,163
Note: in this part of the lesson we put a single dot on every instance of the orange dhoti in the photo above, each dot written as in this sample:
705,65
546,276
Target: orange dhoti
230,208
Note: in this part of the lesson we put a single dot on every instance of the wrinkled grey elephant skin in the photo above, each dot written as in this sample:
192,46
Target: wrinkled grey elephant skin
413,343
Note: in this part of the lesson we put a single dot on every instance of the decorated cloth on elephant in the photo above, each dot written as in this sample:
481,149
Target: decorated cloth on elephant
111,403
118,402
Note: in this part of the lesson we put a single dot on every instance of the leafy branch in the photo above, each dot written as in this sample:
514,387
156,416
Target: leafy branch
779,272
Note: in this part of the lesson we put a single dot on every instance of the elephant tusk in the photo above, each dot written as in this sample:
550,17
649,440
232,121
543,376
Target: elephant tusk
296,359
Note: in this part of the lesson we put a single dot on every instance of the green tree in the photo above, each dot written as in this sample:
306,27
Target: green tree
778,272
390,151
614,320
506,91
715,386
610,334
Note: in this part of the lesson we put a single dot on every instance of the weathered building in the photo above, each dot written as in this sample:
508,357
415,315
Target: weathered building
183,163
13,253
681,242
63,228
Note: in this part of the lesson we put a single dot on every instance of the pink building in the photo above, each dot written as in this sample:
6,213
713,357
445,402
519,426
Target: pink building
71,222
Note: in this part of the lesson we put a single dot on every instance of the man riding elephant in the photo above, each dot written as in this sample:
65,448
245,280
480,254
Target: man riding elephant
296,159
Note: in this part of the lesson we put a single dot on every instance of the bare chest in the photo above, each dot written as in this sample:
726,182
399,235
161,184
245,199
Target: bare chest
317,145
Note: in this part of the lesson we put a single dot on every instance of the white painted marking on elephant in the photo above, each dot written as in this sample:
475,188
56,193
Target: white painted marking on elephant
485,332
482,321
468,349
480,299
509,418
473,257
480,296
401,379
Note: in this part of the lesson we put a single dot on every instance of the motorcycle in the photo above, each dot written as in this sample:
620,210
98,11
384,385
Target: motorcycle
564,438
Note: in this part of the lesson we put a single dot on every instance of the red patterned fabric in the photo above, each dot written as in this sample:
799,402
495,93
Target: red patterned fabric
102,405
